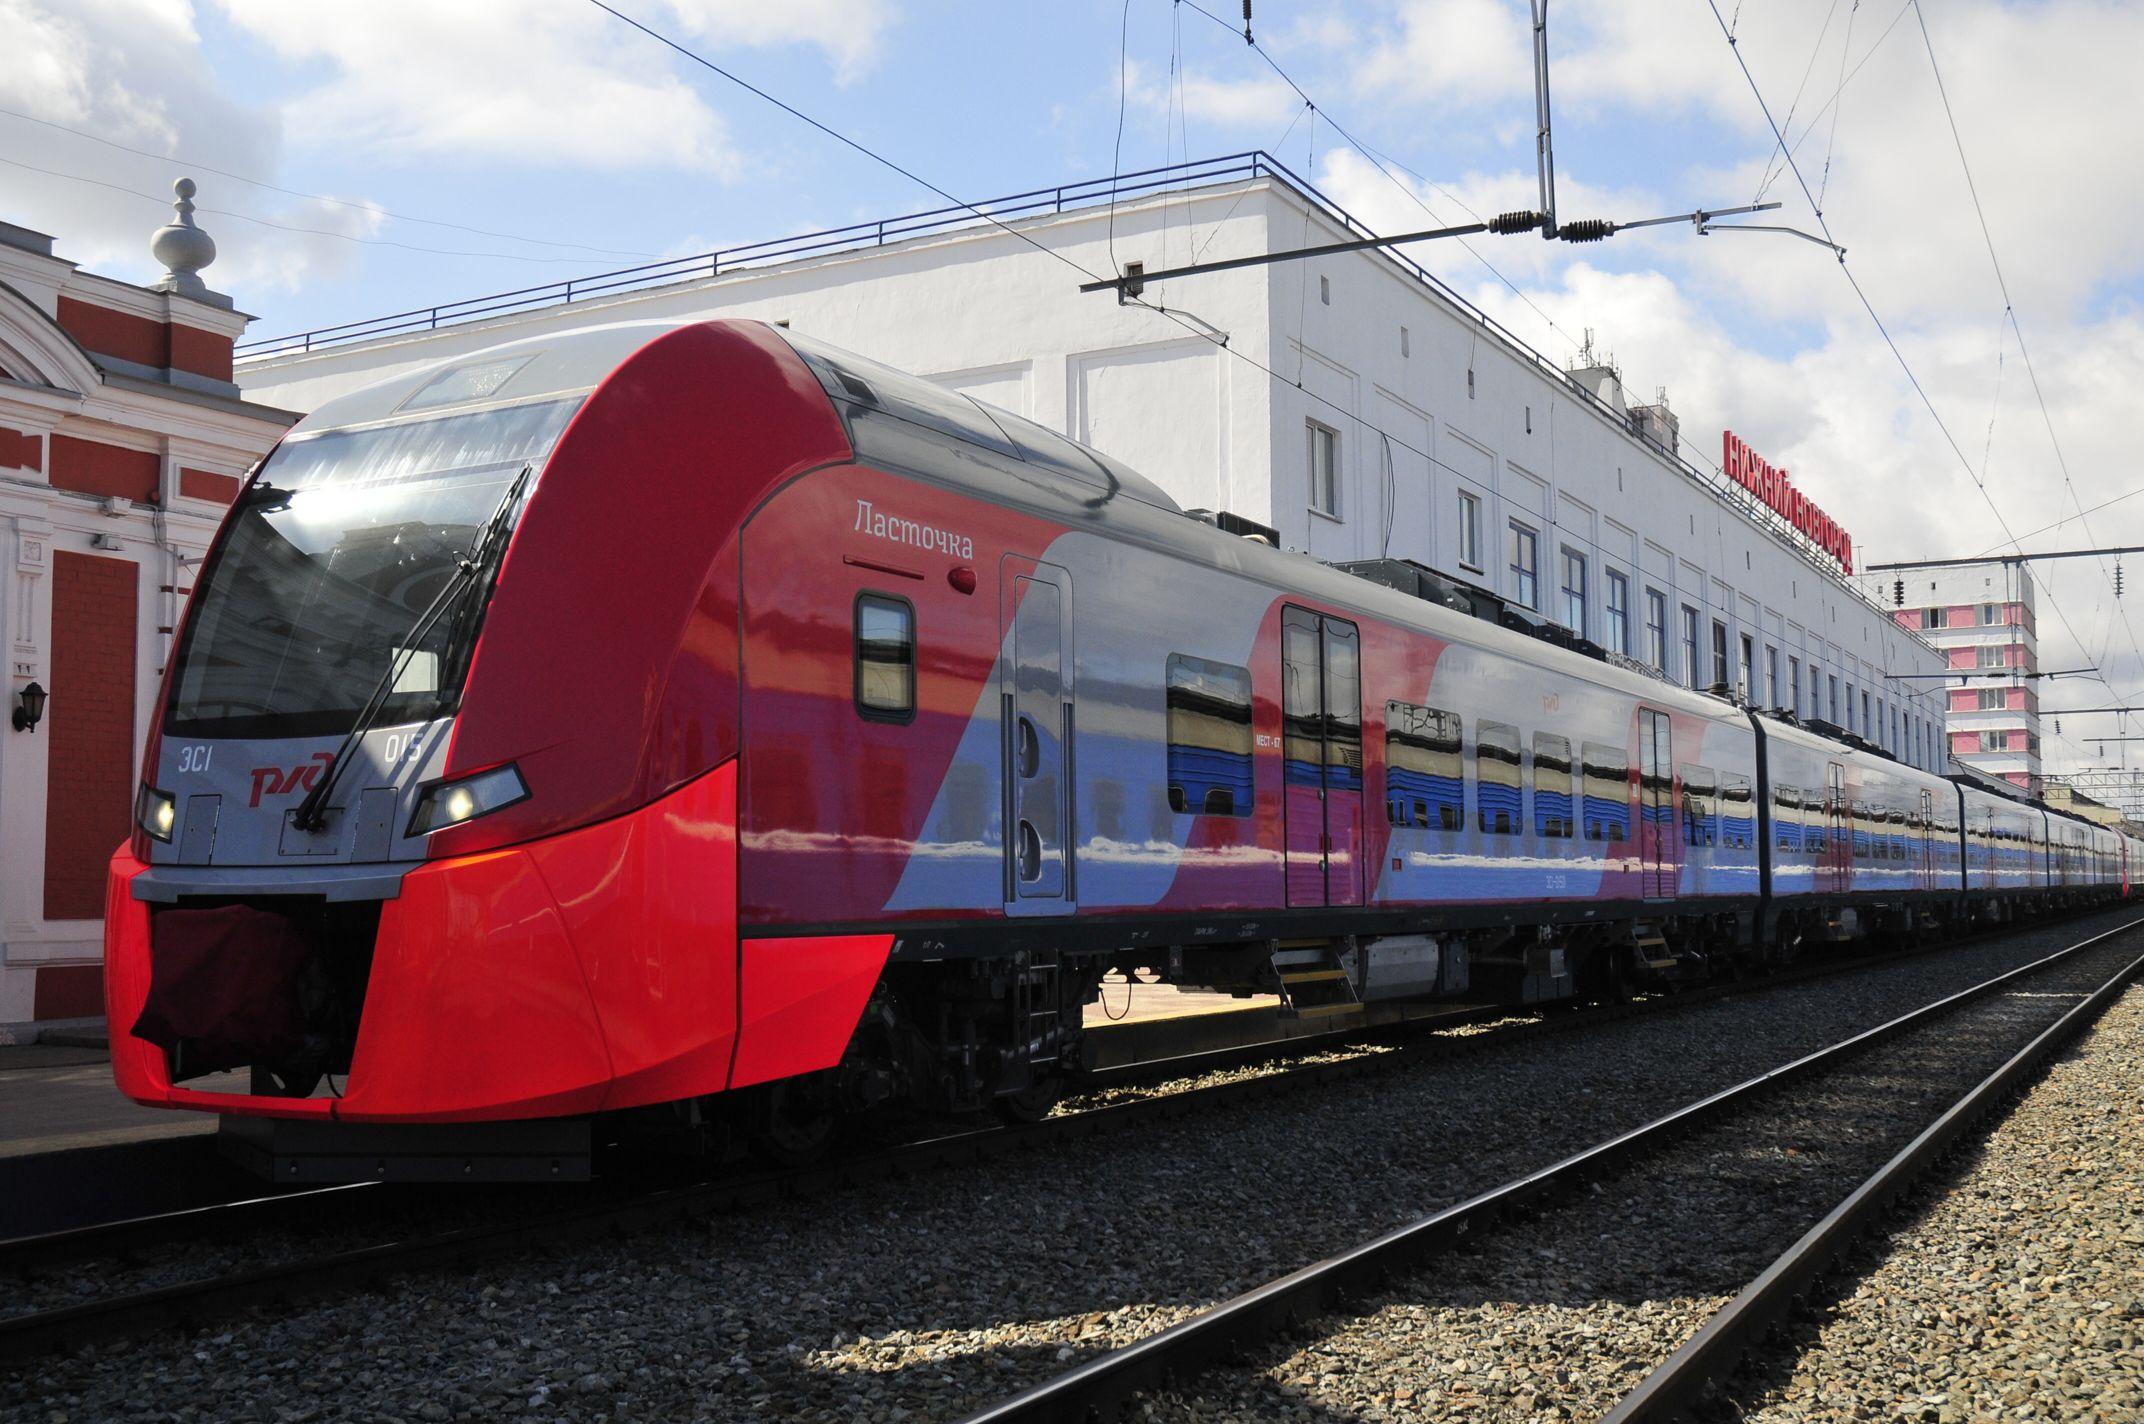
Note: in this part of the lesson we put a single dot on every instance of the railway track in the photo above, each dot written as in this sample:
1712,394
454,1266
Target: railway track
1132,1095
1171,1360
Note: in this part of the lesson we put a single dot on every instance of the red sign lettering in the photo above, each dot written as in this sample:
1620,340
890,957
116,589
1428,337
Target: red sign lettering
1771,485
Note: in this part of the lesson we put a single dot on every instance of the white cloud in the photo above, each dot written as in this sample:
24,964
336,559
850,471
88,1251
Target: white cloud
1260,103
1447,53
547,86
849,31
132,71
490,81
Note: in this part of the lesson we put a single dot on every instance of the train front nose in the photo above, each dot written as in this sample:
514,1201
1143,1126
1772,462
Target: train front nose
584,972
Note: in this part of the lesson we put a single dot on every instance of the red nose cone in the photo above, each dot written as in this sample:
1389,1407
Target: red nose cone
962,578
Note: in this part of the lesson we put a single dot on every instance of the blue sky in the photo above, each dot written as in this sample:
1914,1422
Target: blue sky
553,123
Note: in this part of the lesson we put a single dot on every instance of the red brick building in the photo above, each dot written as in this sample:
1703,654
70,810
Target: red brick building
122,439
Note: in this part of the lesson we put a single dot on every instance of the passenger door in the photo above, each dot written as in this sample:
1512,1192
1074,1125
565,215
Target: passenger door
1036,695
1321,711
1837,865
1927,833
1656,806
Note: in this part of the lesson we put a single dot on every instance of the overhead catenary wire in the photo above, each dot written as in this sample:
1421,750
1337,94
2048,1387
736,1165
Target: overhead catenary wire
2010,312
164,201
350,203
1366,151
1188,321
1876,319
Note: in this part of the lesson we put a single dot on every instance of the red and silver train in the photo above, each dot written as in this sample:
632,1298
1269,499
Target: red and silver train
695,724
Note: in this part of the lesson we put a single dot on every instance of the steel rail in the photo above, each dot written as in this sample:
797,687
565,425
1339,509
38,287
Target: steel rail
1101,1387
1675,1387
126,1235
205,1300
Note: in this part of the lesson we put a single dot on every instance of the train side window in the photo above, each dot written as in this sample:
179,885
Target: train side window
1700,806
1424,776
885,658
1738,811
1605,788
1210,762
1553,816
1787,817
1497,791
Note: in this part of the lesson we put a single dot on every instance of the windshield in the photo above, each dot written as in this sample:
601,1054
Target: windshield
331,556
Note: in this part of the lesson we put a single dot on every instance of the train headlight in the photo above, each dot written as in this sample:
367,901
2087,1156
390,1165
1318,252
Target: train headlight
156,812
451,803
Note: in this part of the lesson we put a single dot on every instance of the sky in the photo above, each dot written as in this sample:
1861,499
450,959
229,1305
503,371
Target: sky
358,157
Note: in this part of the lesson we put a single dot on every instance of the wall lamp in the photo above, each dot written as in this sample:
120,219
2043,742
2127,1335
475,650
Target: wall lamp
32,710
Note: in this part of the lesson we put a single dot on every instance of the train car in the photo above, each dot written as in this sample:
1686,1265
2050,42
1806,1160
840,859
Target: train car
2005,851
701,727
1859,841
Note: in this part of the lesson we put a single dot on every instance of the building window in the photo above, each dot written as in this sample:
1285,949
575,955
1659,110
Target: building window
1470,383
1849,707
885,658
1794,685
1834,700
1470,530
1749,686
1325,291
1324,469
1771,675
1404,348
1689,645
1656,629
1525,566
1719,653
1931,618
1991,614
1574,591
1209,707
1868,728
1990,699
1991,655
1618,608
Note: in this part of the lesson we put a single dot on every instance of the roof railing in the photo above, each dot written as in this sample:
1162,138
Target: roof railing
1236,167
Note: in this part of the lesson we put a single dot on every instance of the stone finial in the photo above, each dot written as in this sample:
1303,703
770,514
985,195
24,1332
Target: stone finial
184,249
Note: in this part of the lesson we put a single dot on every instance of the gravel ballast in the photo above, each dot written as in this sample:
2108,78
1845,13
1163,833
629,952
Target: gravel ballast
2013,1290
1557,1316
924,1298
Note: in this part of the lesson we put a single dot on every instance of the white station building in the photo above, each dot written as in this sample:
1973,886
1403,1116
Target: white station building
1351,402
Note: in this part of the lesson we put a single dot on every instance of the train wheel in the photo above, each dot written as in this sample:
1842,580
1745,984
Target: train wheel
1030,1104
795,1122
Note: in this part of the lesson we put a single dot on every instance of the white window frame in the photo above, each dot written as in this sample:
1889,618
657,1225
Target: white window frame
1574,599
1615,619
1525,575
1321,437
1470,530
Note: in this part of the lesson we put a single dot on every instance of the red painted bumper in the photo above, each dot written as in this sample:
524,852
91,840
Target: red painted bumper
591,971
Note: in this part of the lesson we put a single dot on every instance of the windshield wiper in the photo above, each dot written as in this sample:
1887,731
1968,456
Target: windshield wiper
311,815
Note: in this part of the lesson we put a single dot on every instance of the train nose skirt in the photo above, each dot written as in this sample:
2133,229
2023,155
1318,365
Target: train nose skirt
316,1151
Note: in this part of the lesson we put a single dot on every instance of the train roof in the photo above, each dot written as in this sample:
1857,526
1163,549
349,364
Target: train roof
886,410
